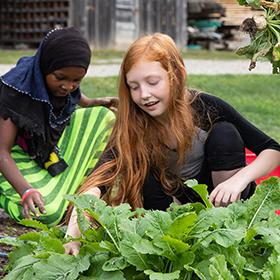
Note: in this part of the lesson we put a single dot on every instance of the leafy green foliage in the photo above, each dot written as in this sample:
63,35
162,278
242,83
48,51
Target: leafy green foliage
264,33
188,241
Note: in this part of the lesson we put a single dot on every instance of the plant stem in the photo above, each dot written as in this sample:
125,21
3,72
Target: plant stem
112,238
277,34
258,210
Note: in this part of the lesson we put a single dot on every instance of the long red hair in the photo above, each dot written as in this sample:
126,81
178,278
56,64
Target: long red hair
138,138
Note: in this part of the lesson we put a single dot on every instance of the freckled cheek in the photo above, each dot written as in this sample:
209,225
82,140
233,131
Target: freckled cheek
135,97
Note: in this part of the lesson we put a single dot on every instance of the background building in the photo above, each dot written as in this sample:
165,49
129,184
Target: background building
116,23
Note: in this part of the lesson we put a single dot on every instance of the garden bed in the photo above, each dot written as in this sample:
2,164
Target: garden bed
8,227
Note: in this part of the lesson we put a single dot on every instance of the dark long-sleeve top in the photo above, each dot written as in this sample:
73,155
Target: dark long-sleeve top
209,110
219,110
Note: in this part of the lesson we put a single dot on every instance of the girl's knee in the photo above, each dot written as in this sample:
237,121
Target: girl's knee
225,148
224,137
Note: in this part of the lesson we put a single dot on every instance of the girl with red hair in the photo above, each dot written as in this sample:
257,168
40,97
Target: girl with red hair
165,134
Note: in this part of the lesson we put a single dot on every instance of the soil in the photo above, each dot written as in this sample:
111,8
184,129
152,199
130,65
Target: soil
8,227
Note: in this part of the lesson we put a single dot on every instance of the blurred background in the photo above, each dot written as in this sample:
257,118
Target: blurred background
114,24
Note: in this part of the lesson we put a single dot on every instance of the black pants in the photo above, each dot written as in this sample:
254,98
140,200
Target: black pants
224,150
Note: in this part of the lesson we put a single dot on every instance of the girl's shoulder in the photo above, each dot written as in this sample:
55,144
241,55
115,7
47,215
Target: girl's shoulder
206,108
12,97
200,98
20,108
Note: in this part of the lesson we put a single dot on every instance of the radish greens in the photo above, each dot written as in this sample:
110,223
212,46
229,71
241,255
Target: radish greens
191,241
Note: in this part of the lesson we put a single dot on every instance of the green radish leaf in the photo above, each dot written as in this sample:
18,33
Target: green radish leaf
162,276
201,190
34,224
218,268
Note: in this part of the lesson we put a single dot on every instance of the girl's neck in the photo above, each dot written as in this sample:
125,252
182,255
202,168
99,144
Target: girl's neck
170,140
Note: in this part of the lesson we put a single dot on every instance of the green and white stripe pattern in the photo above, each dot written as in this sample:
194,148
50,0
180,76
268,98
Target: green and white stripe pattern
80,145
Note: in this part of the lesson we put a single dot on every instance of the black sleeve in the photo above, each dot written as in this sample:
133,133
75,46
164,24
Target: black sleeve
254,139
24,112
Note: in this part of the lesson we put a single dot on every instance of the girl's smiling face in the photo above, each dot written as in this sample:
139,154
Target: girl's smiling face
148,83
63,81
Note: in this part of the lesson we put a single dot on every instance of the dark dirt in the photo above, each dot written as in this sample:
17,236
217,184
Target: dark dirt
8,227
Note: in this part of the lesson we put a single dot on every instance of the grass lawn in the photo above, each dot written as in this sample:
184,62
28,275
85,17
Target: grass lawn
12,56
257,97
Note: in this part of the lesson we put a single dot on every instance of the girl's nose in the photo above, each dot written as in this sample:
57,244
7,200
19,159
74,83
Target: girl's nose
68,86
145,93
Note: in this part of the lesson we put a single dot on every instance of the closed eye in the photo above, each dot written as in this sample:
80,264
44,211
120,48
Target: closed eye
59,78
153,83
133,86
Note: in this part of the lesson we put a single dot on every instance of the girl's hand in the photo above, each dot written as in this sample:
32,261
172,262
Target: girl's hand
225,193
72,248
30,200
228,185
109,102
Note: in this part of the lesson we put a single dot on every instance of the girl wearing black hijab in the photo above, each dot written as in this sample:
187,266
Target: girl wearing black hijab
46,149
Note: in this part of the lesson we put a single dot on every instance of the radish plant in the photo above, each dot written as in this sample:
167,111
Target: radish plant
264,31
191,241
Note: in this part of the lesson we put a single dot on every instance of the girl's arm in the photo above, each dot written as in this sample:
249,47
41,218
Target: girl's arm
10,171
73,248
229,184
109,102
230,190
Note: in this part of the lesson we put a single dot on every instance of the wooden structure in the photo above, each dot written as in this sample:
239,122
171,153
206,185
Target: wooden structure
25,21
97,19
105,23
137,17
167,16
235,13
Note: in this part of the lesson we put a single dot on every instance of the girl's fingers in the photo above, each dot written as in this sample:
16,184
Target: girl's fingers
213,195
40,204
114,109
72,248
25,211
216,197
74,252
226,199
235,197
31,207
30,204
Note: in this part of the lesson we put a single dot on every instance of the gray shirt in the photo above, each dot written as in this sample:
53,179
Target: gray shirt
193,159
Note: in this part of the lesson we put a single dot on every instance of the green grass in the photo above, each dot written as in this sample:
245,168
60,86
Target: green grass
213,55
12,56
254,96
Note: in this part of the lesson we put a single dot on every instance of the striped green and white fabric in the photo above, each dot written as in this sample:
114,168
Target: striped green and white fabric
81,145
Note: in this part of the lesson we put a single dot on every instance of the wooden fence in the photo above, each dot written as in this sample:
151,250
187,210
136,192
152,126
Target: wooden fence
105,23
116,23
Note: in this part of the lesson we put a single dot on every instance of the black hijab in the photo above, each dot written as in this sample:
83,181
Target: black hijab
63,47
